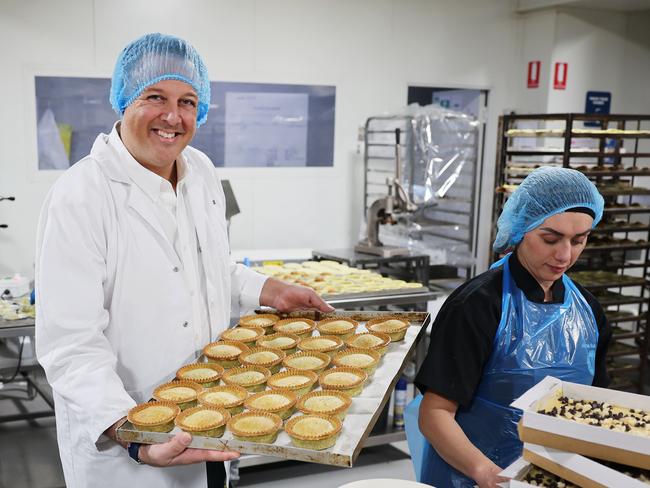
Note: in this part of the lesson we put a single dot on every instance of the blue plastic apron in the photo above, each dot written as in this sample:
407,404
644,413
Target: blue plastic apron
533,340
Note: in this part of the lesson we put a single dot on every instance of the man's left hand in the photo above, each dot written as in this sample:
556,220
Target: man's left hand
287,298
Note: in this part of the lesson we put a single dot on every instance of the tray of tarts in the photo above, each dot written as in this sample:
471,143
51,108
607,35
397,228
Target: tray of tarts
305,386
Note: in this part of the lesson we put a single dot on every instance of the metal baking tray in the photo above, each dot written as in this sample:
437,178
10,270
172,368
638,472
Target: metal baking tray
358,423
374,294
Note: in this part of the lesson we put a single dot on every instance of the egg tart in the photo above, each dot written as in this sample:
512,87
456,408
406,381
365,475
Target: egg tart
264,320
300,327
154,416
325,344
230,397
345,379
252,378
255,427
307,361
282,340
204,421
326,402
225,353
393,326
182,393
205,374
315,432
247,335
376,341
365,359
263,356
279,402
299,382
341,327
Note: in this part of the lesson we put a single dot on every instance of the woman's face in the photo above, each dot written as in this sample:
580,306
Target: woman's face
551,249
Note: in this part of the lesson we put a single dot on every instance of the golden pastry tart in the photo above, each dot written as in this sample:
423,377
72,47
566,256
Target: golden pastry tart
326,402
253,378
325,344
230,397
203,420
284,341
154,416
247,335
225,353
342,327
205,374
299,382
182,393
345,379
376,341
365,359
393,326
300,327
307,361
263,356
264,320
255,427
278,402
313,431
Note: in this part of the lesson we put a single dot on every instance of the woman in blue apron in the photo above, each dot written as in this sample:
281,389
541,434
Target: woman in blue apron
503,331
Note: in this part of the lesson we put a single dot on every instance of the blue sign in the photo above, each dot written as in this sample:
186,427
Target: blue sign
597,103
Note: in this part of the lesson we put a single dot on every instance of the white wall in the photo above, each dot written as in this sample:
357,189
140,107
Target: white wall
370,49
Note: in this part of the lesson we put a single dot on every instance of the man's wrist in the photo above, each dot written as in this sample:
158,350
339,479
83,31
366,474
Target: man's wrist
133,448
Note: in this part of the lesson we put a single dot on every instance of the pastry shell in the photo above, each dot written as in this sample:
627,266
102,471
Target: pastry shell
226,360
264,320
290,361
284,411
162,424
183,374
300,387
340,359
284,327
352,389
247,335
214,428
311,344
396,331
268,341
324,327
272,365
316,441
356,341
183,403
266,435
234,407
339,411
252,386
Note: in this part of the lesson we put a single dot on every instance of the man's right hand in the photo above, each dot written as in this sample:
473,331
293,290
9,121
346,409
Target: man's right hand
176,452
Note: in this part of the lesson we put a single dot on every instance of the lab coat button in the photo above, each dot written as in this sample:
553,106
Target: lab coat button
186,323
175,269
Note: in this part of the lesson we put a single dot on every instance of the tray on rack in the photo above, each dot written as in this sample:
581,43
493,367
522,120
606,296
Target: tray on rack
358,423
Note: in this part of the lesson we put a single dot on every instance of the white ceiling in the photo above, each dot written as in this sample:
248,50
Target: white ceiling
613,5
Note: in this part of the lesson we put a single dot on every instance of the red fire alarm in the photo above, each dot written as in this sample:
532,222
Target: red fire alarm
533,73
559,76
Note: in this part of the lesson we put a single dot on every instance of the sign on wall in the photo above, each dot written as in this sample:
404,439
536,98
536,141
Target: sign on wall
597,102
560,76
534,69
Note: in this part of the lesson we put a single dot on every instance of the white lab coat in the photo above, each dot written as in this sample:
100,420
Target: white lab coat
112,301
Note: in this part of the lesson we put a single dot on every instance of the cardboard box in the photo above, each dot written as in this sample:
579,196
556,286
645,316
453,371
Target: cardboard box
516,472
589,440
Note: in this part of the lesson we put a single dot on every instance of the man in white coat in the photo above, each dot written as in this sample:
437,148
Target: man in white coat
133,275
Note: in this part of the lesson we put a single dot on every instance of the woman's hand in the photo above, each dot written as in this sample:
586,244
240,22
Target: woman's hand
176,452
286,298
486,475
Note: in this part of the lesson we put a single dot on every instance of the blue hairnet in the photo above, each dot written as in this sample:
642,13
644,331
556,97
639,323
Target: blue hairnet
545,192
157,57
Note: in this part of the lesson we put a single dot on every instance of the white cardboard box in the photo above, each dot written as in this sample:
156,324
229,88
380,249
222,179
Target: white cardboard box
589,440
516,472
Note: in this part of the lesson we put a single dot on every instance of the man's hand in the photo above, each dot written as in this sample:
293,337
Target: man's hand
176,452
287,298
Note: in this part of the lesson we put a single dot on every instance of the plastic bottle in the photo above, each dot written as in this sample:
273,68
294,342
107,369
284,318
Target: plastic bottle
400,403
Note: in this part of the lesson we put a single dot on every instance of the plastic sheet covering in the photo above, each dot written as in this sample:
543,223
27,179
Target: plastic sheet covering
438,171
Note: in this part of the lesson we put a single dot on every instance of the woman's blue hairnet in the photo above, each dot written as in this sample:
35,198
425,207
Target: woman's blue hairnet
157,57
545,192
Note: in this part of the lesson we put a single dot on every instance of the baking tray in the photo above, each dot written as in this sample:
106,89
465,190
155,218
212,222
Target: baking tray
358,423
374,294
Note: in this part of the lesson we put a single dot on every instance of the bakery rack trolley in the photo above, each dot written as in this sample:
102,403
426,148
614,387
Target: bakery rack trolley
614,152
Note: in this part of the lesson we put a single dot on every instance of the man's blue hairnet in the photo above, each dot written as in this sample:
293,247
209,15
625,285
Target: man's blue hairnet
157,57
545,192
